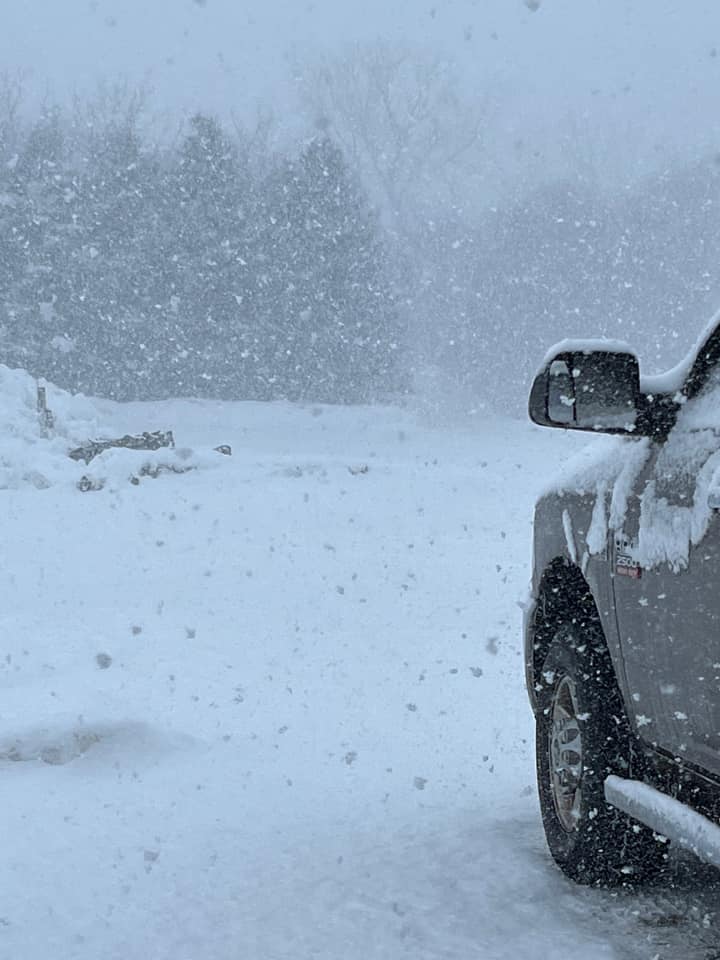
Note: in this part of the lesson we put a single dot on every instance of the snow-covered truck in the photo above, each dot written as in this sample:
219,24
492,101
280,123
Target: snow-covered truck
622,634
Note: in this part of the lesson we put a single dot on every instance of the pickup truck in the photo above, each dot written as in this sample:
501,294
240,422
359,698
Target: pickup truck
622,633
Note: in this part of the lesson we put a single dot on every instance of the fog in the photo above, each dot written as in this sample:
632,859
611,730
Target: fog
651,64
516,117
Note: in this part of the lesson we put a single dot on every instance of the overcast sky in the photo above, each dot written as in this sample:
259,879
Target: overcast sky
650,64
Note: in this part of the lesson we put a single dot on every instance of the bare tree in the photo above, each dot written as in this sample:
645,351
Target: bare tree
256,138
11,98
116,109
401,122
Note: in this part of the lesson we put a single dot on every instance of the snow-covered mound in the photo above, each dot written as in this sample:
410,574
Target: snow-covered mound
33,456
27,456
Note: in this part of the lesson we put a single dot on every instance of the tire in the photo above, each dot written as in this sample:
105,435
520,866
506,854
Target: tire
582,736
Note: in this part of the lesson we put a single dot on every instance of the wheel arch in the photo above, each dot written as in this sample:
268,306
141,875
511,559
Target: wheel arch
564,596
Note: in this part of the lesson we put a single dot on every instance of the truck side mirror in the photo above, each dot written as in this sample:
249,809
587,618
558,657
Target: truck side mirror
587,388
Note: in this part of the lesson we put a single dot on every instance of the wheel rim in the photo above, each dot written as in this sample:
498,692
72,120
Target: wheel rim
566,759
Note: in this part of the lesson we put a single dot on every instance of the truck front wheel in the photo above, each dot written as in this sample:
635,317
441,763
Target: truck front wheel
582,736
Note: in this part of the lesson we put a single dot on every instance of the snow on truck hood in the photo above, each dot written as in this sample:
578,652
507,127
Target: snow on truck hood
605,469
608,471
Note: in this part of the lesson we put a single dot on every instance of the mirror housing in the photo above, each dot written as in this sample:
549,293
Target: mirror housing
590,386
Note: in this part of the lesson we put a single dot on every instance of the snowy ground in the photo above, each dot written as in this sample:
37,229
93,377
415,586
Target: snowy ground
273,708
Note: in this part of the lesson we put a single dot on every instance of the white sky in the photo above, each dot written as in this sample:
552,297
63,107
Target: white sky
645,65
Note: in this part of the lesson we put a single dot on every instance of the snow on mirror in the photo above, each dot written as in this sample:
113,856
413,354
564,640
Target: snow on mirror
589,390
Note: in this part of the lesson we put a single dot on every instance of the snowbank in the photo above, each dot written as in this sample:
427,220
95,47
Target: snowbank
27,457
31,456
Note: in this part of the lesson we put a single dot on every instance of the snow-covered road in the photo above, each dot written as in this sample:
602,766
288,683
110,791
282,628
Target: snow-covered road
273,708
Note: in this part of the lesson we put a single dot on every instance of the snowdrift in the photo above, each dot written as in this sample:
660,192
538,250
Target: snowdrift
31,456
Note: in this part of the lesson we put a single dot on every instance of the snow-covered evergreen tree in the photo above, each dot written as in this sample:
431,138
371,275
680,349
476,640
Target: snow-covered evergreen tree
332,285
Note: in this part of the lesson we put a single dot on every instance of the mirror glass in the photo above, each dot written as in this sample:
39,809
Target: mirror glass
605,391
561,393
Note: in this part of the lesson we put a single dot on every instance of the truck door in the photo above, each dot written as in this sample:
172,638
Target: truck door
667,588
